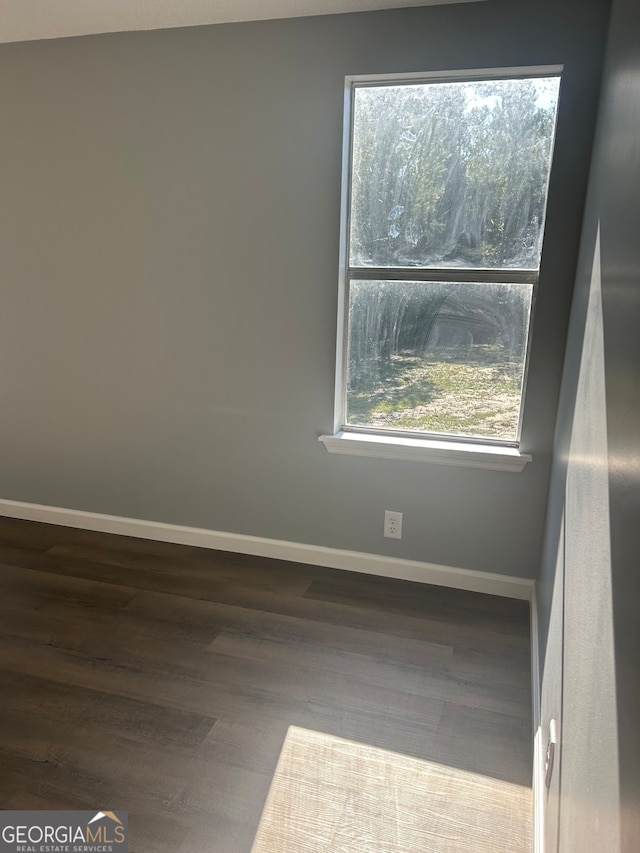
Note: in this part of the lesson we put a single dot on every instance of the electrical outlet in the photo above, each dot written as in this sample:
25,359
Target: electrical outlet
392,524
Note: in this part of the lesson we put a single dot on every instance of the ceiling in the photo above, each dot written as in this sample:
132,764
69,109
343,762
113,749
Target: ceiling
25,20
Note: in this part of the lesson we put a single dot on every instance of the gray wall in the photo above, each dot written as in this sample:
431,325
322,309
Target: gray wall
596,487
168,258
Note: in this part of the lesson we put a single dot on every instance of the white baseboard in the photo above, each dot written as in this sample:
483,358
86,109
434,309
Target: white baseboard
539,792
538,784
316,555
535,661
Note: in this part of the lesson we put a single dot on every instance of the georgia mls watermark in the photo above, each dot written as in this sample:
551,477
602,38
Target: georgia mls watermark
63,832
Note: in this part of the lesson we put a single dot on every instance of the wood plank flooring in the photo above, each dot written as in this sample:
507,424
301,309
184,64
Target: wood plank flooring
162,679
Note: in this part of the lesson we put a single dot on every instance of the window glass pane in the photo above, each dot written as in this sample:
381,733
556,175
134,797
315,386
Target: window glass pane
437,357
451,174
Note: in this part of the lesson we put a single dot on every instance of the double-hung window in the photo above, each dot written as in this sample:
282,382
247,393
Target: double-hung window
444,195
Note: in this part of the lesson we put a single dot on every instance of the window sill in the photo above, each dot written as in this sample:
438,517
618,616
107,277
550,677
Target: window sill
436,452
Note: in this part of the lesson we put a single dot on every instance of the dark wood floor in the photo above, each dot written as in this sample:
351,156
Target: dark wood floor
161,679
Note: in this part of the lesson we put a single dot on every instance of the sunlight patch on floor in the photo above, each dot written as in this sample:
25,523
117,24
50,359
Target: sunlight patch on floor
331,794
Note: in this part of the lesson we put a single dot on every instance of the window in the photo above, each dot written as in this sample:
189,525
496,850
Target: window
443,214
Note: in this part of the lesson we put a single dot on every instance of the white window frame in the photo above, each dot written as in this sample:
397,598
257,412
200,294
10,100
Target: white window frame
448,449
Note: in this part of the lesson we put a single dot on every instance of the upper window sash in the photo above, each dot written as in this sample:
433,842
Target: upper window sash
403,213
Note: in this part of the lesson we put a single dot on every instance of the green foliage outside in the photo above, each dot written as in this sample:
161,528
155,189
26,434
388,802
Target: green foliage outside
477,397
437,357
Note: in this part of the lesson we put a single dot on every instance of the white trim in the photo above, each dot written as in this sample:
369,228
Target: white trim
494,456
539,792
538,781
341,339
535,660
316,555
470,74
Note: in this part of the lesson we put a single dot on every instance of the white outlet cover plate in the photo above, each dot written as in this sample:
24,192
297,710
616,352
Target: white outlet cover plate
392,524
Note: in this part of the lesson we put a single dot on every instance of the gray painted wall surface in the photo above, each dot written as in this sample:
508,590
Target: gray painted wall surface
596,486
169,234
